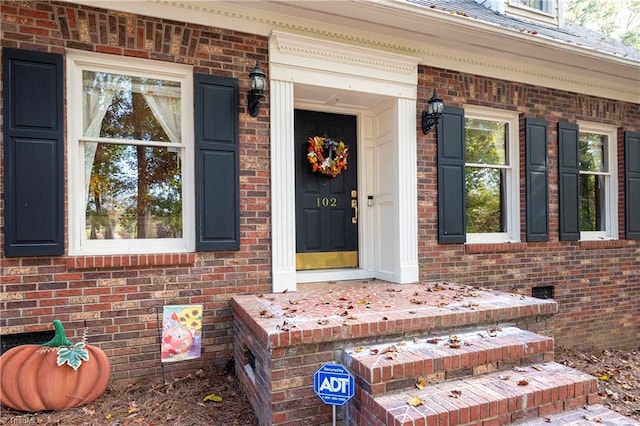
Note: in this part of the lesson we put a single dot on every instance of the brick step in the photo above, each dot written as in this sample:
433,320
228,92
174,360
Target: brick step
596,415
496,398
394,366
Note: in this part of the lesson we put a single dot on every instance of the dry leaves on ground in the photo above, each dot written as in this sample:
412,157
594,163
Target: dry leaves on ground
618,374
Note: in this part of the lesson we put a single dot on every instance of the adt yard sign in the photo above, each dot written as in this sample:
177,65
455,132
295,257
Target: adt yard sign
333,384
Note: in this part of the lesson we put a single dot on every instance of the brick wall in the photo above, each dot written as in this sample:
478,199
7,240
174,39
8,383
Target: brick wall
118,295
597,284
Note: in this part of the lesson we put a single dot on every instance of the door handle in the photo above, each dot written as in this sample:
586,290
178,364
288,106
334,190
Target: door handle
354,206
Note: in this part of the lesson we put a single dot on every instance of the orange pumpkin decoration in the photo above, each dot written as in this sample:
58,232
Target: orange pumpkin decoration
35,378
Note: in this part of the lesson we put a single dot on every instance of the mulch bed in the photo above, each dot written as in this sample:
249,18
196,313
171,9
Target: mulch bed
207,397
191,400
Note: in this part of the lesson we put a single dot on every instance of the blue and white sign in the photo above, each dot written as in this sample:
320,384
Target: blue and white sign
333,384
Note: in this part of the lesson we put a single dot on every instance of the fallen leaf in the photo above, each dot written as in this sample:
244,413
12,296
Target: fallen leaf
523,382
604,377
213,398
358,349
421,382
455,393
415,401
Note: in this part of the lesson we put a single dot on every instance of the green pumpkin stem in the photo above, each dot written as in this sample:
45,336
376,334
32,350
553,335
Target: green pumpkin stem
59,339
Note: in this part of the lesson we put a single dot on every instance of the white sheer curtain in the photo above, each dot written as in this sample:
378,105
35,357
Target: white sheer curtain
97,95
166,109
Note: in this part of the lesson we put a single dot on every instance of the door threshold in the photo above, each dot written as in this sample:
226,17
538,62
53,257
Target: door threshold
333,275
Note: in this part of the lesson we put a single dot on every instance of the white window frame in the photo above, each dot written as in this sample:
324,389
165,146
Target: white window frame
512,202
611,181
79,244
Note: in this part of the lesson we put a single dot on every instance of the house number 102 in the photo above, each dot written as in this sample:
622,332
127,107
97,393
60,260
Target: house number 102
326,202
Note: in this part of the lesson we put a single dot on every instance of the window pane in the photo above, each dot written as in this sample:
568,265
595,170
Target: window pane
485,199
593,152
127,107
534,4
485,142
134,192
592,203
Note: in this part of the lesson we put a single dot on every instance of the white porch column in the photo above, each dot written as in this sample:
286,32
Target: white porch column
283,218
407,191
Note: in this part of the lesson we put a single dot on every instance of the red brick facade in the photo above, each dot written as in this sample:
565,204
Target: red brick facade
596,284
117,295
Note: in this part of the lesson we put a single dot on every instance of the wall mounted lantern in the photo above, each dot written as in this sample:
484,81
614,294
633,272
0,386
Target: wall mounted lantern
257,85
431,115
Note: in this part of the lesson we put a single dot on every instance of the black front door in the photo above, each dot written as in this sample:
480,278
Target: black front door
326,206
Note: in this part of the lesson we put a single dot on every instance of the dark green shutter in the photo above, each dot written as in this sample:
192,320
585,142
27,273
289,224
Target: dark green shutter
451,188
632,185
568,181
217,164
537,179
33,153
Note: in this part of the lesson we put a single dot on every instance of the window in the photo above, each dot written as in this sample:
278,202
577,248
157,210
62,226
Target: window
491,175
130,156
541,5
597,182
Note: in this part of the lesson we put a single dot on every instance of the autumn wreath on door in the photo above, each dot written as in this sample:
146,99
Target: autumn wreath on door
327,156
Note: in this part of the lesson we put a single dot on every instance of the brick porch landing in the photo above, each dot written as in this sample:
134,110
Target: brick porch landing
280,340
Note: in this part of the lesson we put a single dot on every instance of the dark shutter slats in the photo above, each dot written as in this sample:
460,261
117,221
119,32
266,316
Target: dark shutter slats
451,187
33,153
537,179
632,185
217,163
568,181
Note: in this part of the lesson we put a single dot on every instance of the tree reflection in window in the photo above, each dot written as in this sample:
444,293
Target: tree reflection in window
485,175
135,189
593,180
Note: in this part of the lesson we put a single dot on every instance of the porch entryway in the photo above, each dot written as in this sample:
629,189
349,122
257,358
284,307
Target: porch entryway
378,89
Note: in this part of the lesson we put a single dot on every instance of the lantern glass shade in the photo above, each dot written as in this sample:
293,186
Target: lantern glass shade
438,106
257,82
